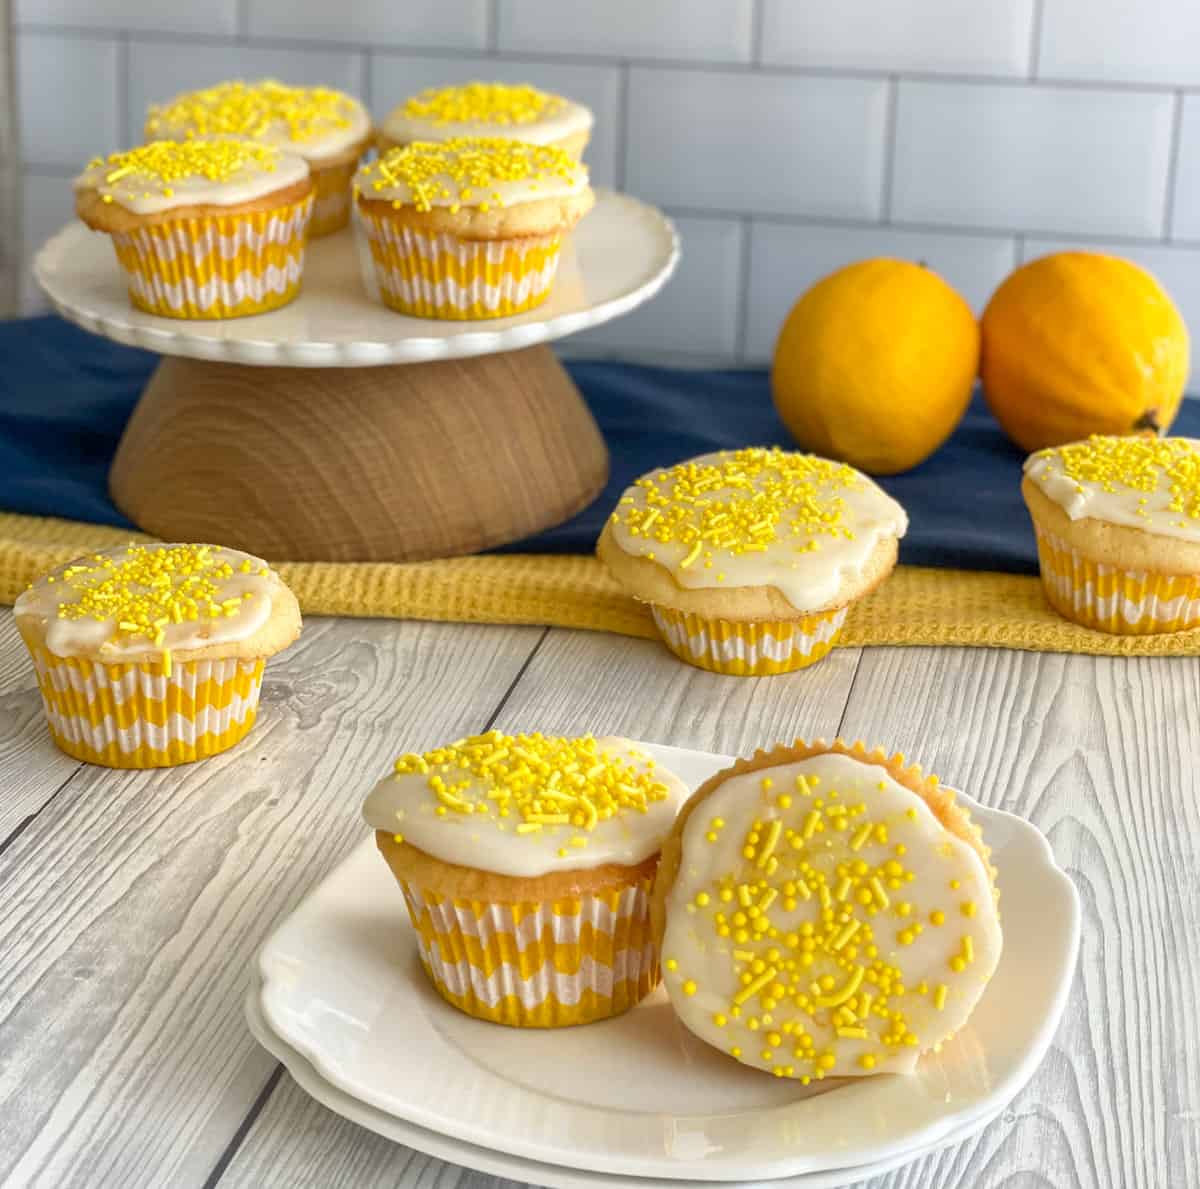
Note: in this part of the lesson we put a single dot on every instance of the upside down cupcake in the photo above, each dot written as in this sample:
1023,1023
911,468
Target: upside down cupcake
513,112
526,864
1117,521
153,655
328,128
469,228
750,558
203,229
825,911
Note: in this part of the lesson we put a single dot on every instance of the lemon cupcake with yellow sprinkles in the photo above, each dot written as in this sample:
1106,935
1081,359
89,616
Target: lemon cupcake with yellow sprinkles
207,228
329,129
826,911
750,559
471,228
511,111
1117,521
153,655
526,863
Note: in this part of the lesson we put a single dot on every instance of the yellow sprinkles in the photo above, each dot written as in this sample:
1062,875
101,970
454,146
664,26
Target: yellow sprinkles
500,104
143,589
253,110
158,164
814,943
741,501
1136,464
538,781
464,171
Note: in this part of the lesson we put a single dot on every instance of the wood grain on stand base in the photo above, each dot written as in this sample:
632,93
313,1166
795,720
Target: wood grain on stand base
398,463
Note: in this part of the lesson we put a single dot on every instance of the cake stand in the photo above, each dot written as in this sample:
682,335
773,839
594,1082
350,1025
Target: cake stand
337,430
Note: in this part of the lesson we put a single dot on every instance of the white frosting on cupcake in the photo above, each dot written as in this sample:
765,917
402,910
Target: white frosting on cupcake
529,805
758,517
140,601
514,112
316,123
1141,482
475,174
823,922
164,175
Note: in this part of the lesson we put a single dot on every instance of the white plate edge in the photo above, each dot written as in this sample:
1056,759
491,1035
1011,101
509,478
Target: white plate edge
486,1160
454,344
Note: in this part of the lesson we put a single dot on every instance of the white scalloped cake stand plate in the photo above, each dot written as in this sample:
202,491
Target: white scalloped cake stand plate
501,1164
618,257
639,1095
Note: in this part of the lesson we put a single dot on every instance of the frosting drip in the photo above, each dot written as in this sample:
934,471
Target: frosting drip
518,112
316,123
758,517
473,173
1141,482
165,174
148,601
824,922
528,805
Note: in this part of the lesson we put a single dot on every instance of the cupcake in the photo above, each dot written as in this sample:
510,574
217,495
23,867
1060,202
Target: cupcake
203,229
328,128
750,558
469,228
825,911
1117,522
153,655
526,863
498,110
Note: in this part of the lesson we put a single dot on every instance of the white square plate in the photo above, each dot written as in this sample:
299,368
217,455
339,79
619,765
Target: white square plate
639,1095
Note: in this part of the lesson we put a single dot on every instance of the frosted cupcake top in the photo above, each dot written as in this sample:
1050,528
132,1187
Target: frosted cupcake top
316,123
480,174
140,601
823,922
528,805
758,517
1141,482
165,174
519,112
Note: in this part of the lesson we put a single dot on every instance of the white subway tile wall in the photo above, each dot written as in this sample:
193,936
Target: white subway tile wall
785,138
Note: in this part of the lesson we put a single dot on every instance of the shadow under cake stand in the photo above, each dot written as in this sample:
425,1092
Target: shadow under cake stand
337,430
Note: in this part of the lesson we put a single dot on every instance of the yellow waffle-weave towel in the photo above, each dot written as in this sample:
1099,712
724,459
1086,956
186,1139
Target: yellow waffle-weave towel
915,606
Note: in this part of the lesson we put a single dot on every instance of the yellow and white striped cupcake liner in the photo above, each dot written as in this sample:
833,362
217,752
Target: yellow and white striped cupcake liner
538,965
1110,599
136,715
216,266
745,648
442,276
331,198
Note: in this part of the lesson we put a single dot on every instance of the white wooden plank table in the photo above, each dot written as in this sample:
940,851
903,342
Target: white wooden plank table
131,904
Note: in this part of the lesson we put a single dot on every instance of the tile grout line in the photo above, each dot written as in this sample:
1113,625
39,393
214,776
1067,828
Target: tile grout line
491,33
621,131
757,23
888,173
239,1136
1173,156
1035,39
321,45
742,331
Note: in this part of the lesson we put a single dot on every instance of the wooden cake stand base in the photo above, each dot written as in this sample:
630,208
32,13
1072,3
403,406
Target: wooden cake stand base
396,463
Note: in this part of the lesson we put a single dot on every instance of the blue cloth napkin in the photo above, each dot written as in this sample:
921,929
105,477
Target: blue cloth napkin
65,396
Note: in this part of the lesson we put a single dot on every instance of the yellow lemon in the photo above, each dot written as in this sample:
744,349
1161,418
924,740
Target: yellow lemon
1078,343
875,364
